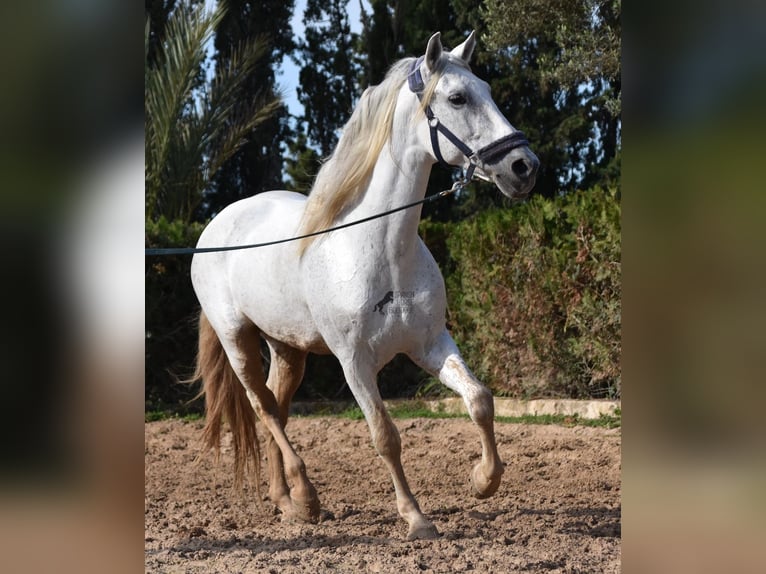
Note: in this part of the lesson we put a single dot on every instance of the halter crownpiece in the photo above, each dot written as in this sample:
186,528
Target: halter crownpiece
415,78
488,155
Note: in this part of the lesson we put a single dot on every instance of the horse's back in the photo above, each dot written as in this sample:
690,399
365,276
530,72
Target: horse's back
265,217
255,219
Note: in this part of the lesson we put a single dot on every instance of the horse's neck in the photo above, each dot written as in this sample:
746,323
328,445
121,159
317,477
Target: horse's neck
400,177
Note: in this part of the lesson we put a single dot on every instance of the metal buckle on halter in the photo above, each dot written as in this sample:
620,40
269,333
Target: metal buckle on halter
475,163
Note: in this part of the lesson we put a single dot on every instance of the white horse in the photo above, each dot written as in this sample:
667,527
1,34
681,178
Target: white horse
364,293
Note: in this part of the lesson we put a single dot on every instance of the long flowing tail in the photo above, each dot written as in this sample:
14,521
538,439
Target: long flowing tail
226,399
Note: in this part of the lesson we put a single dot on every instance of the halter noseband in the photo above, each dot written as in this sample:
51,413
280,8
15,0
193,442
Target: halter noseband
488,155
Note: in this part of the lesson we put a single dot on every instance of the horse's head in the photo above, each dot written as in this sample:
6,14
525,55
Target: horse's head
463,126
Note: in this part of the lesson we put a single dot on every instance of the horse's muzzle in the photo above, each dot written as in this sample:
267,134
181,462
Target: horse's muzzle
516,173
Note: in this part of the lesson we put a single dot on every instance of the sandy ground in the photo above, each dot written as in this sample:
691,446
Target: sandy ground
557,510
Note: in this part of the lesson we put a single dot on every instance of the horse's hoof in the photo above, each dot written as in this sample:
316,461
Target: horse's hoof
426,531
305,504
299,516
484,487
308,512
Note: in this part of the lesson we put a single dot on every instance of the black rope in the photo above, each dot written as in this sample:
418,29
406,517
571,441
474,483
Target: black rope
459,184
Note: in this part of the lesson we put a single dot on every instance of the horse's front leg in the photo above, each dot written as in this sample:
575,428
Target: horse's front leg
443,360
362,380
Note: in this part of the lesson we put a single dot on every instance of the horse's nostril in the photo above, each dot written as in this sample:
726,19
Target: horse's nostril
520,168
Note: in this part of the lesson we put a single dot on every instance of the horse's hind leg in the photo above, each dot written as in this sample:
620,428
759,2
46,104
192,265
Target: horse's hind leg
443,360
244,352
285,375
385,437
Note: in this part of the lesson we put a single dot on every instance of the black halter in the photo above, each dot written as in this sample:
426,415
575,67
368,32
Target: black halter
488,155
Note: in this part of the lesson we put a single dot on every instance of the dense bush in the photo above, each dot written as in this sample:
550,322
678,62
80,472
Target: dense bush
171,318
534,294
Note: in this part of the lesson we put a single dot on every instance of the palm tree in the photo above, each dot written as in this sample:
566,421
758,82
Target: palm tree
191,130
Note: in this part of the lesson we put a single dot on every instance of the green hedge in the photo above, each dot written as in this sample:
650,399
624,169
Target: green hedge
171,318
534,294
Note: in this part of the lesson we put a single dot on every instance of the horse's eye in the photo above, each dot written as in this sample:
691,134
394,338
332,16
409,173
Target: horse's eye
457,100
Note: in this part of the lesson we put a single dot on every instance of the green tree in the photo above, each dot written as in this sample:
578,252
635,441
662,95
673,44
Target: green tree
157,12
399,28
191,133
257,165
328,73
559,63
378,42
301,165
587,33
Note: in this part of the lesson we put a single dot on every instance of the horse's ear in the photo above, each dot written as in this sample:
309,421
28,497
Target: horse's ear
465,50
433,51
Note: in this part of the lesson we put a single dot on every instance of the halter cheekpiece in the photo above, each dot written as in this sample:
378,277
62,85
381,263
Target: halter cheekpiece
488,155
